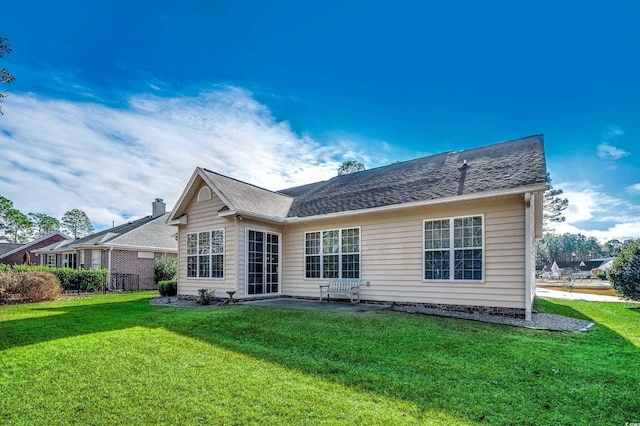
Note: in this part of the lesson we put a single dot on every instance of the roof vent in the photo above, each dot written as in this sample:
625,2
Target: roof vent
464,165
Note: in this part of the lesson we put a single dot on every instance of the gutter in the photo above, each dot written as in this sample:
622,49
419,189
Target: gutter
438,201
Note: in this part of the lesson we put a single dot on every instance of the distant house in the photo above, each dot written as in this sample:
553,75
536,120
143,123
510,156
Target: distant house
454,230
13,254
131,248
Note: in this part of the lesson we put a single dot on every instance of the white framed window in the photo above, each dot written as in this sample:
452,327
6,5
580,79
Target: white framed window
332,254
51,260
205,254
263,262
96,259
69,260
454,249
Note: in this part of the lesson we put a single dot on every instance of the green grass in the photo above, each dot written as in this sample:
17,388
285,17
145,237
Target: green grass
119,360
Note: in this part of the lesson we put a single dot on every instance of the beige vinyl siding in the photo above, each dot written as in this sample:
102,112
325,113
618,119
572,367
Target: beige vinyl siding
203,216
392,256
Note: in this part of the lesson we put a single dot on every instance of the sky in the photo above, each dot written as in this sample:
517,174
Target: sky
115,103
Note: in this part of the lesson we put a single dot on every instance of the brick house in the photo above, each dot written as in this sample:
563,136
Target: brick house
13,254
130,249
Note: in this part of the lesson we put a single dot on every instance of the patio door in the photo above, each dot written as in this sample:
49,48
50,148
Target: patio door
263,262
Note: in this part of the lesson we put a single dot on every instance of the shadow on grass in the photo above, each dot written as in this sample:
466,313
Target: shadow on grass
471,370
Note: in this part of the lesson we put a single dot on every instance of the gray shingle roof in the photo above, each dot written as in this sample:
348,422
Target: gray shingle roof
152,232
502,166
7,247
248,198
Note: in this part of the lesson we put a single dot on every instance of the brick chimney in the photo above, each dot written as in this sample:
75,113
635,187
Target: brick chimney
159,207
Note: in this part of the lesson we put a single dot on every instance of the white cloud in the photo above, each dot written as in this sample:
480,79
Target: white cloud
610,152
590,207
112,163
634,189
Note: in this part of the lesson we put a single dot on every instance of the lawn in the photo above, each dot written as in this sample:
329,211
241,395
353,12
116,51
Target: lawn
116,359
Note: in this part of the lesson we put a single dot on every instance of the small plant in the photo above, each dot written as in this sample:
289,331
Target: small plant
166,268
168,288
206,296
602,276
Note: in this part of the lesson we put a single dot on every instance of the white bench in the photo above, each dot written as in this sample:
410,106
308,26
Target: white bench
347,286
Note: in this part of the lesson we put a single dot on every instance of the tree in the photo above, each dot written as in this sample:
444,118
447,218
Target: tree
624,274
5,77
612,248
76,222
553,205
5,205
44,224
17,226
350,166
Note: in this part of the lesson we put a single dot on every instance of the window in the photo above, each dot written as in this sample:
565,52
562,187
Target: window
51,260
205,254
69,260
96,259
453,249
332,254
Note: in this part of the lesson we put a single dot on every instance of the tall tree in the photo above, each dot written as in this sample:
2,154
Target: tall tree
44,224
76,222
5,77
553,206
17,226
5,206
350,166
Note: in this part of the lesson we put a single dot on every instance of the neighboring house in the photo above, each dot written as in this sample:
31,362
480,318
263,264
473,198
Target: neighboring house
13,254
131,248
454,230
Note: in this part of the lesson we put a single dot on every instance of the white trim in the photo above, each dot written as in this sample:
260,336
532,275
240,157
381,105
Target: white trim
263,217
182,220
445,200
528,255
452,250
246,261
210,254
204,195
339,254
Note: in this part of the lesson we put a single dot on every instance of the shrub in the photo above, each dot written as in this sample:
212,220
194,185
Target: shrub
166,268
624,274
28,286
87,280
206,296
70,279
168,288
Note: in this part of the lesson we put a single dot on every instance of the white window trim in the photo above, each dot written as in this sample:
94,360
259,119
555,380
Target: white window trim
304,252
224,256
246,260
204,194
452,250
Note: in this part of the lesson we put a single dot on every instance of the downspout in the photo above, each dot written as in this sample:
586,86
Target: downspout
109,269
528,254
237,254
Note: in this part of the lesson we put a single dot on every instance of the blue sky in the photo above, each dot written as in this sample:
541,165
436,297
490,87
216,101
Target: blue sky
115,103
